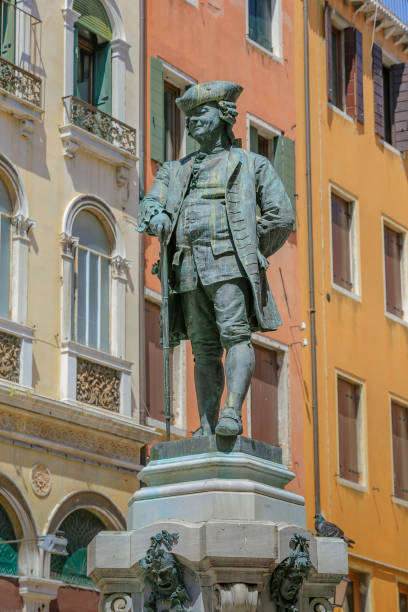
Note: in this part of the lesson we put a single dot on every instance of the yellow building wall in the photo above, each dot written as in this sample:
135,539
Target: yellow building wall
354,336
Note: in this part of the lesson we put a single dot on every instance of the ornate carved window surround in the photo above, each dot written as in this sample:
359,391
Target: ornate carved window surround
71,351
74,137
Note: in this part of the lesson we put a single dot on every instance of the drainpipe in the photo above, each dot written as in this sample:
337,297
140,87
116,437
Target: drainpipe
142,148
312,303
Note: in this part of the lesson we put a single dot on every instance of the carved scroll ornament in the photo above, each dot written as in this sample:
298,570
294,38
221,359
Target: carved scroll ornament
98,385
118,602
235,597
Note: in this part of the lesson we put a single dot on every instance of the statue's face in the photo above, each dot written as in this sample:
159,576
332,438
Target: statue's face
291,585
205,120
167,579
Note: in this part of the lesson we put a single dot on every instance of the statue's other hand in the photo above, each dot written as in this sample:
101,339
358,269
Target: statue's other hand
160,225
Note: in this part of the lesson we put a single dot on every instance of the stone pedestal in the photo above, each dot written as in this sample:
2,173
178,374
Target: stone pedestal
234,519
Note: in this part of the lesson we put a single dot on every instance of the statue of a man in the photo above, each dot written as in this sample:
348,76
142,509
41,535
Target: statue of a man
205,207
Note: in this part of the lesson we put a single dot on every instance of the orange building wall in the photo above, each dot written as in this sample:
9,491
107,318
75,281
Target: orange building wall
208,43
354,336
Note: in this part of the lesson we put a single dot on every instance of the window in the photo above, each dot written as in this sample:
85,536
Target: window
403,597
8,552
5,251
80,527
264,396
172,122
357,592
93,61
349,429
344,65
393,262
8,29
154,363
260,22
390,106
92,282
169,139
400,449
344,239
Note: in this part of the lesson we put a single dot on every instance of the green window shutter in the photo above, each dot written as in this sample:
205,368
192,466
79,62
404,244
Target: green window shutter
76,62
253,139
157,136
103,79
8,31
94,17
284,163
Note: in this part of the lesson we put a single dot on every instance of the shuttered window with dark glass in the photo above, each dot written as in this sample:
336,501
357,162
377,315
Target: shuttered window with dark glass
8,29
393,245
403,598
387,104
260,22
348,404
264,396
5,251
154,363
171,122
337,69
93,61
400,449
341,214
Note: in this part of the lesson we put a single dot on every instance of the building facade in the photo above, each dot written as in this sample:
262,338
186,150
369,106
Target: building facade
250,43
70,438
354,283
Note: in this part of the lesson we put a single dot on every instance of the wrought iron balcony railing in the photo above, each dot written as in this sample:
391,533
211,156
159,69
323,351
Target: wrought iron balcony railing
20,83
100,124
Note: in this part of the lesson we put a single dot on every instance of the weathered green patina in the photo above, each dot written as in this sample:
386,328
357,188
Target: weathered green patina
204,208
164,574
289,576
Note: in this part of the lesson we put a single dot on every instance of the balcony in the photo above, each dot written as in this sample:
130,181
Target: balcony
99,134
389,15
20,87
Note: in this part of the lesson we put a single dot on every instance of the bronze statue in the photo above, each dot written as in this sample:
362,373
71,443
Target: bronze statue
289,576
204,208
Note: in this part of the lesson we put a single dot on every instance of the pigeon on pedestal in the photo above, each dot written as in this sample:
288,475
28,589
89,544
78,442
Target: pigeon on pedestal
330,530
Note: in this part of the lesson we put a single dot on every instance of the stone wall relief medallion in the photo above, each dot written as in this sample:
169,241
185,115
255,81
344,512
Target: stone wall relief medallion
289,576
41,479
118,602
319,604
164,574
235,597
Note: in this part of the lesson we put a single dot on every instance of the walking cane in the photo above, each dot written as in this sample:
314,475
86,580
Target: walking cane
164,278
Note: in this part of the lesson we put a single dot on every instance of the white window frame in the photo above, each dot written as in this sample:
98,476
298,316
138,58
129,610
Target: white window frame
179,79
354,245
266,130
341,24
403,402
387,222
70,350
276,31
178,382
20,239
361,428
284,417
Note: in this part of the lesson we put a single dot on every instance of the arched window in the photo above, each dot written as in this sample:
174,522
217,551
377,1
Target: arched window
93,55
8,552
91,282
5,250
79,527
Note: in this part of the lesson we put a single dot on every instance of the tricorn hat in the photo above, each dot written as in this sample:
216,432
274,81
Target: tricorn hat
214,91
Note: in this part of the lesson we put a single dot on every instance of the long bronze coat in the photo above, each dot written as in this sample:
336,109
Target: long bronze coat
253,188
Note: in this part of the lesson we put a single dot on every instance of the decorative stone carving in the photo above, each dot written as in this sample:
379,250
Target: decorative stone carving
68,243
122,176
320,604
164,574
27,128
40,431
98,385
118,602
290,574
10,348
235,597
70,147
120,266
41,479
22,225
